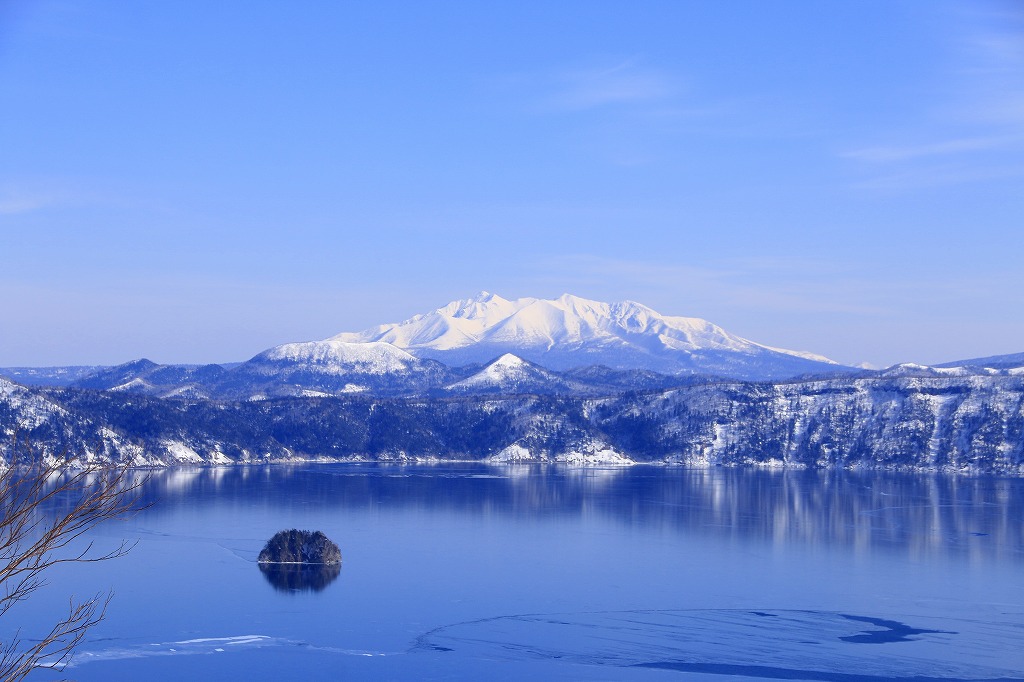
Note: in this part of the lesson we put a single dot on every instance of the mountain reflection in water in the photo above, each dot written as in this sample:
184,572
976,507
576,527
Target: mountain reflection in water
918,514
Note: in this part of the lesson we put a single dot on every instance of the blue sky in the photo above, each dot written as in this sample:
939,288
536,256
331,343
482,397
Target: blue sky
196,181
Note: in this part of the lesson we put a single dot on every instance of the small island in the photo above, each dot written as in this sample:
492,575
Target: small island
300,547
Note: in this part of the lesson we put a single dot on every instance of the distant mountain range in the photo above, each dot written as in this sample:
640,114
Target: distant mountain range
490,345
970,423
565,345
530,380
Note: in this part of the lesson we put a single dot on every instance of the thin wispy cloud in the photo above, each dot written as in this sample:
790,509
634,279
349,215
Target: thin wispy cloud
939,175
792,286
621,111
28,196
975,133
991,62
884,154
20,201
796,287
623,83
595,85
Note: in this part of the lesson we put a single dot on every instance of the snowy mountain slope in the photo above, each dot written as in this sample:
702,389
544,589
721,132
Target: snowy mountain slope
626,346
572,332
33,425
319,370
25,409
48,376
332,367
1010,361
150,378
910,369
294,369
335,357
951,423
510,374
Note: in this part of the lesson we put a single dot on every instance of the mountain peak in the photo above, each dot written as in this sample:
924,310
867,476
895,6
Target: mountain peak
571,331
510,373
374,357
508,360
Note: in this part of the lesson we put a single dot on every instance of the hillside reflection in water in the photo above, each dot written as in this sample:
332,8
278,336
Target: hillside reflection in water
916,514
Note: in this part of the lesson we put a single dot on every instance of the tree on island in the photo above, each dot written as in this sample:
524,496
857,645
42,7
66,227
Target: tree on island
300,547
45,508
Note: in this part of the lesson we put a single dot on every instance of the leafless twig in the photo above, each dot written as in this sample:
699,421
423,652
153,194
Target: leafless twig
43,510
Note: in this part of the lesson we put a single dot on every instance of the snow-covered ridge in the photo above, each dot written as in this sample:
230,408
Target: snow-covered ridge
572,332
910,369
341,356
507,368
950,422
510,373
27,407
566,320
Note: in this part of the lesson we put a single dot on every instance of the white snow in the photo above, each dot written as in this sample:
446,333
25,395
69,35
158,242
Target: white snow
512,453
30,410
506,370
335,356
129,385
914,369
602,454
182,453
566,323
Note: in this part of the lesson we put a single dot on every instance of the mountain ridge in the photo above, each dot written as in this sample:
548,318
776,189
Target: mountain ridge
571,344
571,331
964,424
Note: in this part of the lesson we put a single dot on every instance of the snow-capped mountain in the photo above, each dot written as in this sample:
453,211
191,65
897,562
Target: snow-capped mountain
572,332
331,367
336,357
512,374
565,345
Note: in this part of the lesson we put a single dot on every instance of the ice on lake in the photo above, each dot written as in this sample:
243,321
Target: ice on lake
461,572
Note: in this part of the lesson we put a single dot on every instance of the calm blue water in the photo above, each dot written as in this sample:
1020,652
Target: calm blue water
643,573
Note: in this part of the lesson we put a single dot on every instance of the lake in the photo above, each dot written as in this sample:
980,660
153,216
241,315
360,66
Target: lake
639,573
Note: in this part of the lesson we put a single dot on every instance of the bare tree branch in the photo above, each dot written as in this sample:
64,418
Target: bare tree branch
44,508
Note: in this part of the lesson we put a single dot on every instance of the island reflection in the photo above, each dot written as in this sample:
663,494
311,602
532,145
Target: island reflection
300,577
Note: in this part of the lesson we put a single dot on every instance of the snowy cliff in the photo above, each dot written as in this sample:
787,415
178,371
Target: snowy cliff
971,423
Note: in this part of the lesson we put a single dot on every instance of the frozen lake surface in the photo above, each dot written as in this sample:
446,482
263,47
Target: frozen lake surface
642,573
